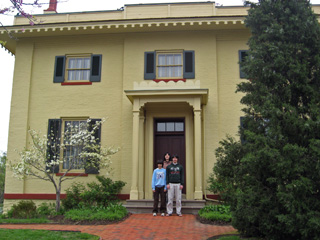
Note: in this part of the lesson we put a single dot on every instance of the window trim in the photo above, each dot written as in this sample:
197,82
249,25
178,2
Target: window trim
150,65
60,72
67,69
158,52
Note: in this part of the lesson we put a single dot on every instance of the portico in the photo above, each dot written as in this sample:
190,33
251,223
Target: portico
166,100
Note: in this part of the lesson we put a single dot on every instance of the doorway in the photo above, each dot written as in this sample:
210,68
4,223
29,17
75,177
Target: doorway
170,137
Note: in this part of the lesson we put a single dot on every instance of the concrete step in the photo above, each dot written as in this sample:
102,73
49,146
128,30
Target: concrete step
146,206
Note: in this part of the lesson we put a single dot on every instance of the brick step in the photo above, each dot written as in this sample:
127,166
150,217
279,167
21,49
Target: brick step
146,206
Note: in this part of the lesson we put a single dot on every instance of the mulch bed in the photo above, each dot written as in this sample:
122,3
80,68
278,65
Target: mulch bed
210,222
60,219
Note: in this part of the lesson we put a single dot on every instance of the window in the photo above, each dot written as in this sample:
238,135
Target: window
242,55
77,68
169,65
70,154
170,126
175,64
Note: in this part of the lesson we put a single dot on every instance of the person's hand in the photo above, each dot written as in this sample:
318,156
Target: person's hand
153,190
168,186
181,187
165,190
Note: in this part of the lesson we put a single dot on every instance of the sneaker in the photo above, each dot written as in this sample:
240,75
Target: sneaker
154,214
162,214
169,215
179,215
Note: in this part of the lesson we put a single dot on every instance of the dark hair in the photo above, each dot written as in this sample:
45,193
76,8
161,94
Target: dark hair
164,156
175,156
160,162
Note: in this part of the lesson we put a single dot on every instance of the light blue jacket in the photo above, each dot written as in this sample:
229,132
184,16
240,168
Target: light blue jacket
159,178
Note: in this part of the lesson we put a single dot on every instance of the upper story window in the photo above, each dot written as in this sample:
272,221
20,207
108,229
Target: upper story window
169,64
77,68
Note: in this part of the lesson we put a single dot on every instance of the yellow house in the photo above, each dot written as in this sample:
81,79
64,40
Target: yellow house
165,75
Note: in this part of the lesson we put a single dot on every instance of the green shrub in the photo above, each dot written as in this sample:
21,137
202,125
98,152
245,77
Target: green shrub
215,216
99,194
24,209
46,209
111,213
73,198
102,193
216,213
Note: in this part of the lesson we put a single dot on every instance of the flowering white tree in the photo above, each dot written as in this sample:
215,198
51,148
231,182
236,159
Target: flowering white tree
47,153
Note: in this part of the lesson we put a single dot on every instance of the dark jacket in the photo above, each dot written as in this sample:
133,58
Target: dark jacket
175,174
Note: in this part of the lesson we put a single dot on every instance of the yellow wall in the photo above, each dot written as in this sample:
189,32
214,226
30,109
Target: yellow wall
36,98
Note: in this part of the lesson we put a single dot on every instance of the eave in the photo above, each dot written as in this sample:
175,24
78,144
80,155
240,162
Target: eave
118,26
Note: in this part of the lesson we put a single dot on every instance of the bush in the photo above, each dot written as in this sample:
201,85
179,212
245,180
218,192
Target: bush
216,213
46,209
73,198
111,213
24,209
100,194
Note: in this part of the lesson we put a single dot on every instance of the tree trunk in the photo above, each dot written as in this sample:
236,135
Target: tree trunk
57,200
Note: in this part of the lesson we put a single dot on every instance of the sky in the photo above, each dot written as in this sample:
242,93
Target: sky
7,60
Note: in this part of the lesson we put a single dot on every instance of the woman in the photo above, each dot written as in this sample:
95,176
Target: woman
166,160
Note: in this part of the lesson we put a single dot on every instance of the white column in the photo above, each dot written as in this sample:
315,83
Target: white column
198,193
134,193
141,156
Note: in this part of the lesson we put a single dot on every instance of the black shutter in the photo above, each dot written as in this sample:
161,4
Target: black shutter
242,55
95,74
54,138
149,65
188,66
97,134
59,69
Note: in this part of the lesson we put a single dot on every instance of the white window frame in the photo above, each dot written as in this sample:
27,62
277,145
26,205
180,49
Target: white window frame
158,65
82,69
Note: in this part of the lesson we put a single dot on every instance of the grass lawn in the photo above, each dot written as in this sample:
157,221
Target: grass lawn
23,234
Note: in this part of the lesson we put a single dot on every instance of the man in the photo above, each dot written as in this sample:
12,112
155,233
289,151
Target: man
175,182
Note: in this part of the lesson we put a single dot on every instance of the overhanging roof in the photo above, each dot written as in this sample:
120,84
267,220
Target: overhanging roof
168,95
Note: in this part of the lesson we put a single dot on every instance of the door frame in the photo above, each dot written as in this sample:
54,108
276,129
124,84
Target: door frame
181,134
170,110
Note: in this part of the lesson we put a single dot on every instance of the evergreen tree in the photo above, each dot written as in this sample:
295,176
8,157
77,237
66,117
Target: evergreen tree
274,182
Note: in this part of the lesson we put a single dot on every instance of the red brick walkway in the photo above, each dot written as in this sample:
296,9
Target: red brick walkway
142,226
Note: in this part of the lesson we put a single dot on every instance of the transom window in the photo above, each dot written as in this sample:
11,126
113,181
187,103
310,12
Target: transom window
170,126
78,68
169,65
72,150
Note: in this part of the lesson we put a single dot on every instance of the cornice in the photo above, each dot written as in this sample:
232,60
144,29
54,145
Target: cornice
124,24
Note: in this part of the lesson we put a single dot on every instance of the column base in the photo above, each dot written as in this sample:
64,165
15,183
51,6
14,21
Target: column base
141,195
198,195
134,195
